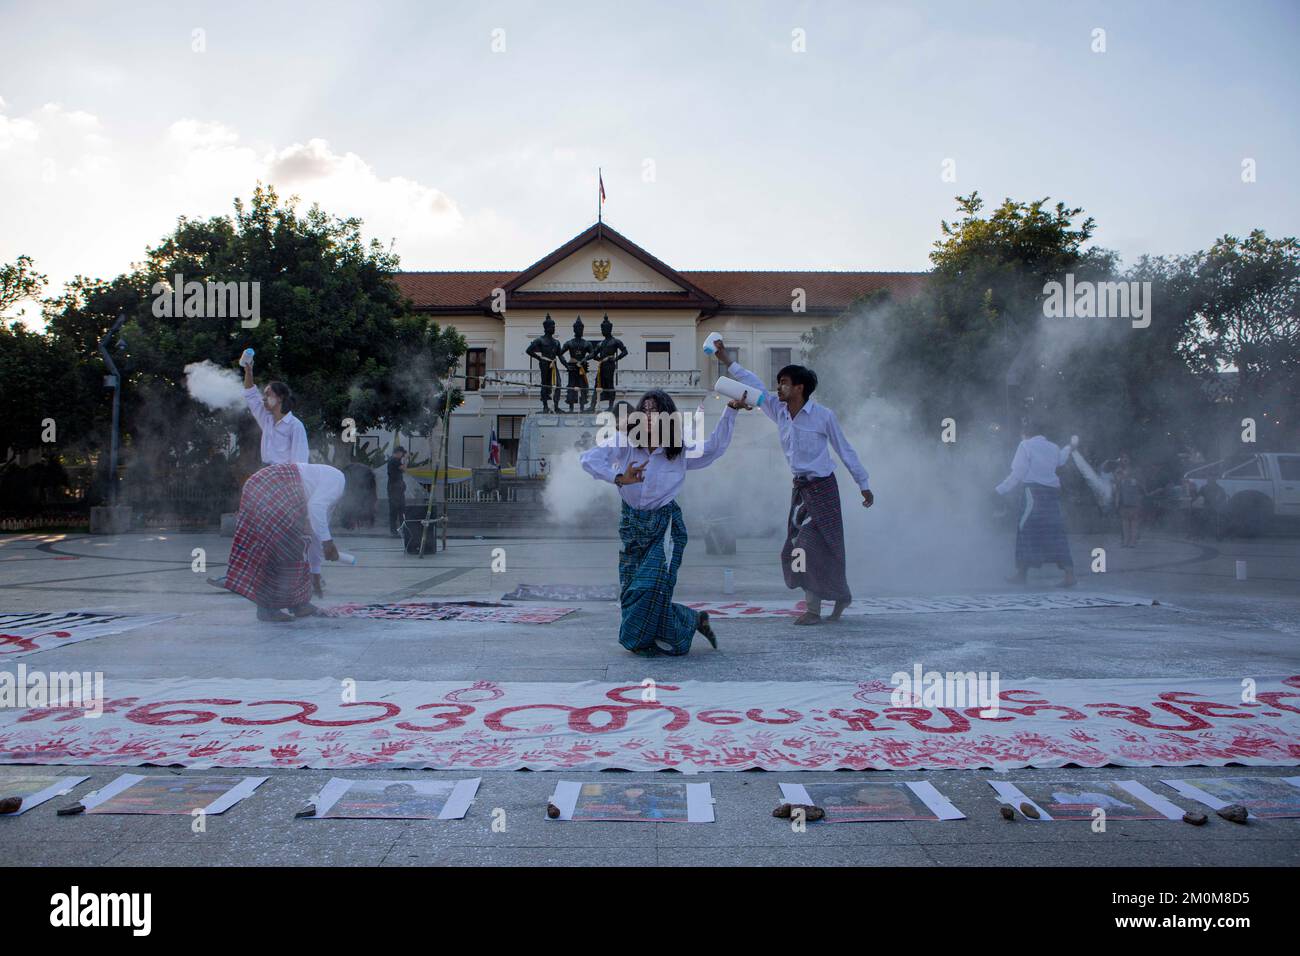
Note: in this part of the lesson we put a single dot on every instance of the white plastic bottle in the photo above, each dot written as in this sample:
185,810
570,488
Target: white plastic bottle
730,388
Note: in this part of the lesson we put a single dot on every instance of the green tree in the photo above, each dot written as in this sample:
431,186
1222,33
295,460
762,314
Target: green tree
40,384
1246,296
976,346
19,280
332,324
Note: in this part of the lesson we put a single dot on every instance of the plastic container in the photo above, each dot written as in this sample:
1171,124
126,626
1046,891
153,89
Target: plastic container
711,342
246,359
731,389
345,558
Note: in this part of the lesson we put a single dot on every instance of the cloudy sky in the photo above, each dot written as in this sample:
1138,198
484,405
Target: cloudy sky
469,134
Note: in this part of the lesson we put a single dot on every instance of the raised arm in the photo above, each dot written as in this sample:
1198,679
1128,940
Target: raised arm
253,397
1019,468
745,377
835,434
710,450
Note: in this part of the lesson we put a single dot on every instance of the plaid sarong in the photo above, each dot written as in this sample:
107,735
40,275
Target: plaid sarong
268,558
1040,538
815,525
646,579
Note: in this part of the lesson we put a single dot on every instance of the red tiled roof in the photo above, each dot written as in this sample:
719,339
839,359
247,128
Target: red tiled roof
436,290
737,291
834,291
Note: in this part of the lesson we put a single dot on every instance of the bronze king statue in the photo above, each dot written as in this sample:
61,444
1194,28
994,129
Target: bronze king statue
608,352
546,350
579,351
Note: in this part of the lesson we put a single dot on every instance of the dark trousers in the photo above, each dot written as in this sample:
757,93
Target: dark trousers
396,507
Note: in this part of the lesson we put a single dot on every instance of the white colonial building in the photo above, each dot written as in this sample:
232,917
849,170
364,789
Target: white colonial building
662,315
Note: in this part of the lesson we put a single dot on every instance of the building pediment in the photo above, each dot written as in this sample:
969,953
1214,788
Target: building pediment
600,266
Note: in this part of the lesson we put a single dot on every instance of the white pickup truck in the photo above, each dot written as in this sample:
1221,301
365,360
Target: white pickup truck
1257,487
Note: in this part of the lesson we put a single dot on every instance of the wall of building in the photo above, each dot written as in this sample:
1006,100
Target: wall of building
635,327
506,339
756,335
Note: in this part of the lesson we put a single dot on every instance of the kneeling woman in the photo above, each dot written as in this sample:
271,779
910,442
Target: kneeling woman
283,516
649,466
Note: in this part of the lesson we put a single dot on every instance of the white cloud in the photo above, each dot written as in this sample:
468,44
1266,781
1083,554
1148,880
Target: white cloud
79,199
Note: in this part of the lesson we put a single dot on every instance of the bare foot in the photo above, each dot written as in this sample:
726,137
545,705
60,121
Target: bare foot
808,617
706,629
839,610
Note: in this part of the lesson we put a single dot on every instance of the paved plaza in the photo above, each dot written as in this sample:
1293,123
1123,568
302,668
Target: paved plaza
1206,624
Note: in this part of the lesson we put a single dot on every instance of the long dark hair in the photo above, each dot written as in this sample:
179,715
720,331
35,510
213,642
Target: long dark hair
284,393
668,426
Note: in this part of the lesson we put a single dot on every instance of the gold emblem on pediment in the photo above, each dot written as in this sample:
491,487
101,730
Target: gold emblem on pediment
600,269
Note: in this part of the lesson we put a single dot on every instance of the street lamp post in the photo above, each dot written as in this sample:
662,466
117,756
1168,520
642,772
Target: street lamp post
113,380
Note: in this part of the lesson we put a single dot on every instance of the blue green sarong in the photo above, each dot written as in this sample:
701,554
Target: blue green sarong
647,578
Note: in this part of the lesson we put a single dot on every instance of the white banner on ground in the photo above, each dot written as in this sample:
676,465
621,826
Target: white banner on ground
1019,601
688,726
23,633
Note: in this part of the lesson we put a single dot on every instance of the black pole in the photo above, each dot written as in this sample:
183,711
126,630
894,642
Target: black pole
114,381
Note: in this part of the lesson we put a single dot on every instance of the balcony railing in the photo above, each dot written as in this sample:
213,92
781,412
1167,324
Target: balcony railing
500,382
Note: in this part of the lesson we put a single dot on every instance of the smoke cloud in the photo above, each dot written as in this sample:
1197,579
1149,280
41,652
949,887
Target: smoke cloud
217,388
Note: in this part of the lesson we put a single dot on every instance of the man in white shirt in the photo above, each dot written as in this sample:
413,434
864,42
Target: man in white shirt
1040,533
813,555
268,557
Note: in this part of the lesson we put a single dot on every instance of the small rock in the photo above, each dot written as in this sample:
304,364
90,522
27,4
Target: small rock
812,813
72,811
11,804
1235,812
783,811
1029,810
553,811
307,811
1195,818
1007,810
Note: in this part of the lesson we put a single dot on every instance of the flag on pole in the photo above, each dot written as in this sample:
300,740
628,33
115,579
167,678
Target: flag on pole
600,176
494,450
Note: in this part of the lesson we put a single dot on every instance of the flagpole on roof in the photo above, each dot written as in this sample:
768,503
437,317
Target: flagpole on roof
600,201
